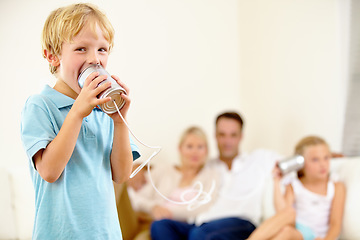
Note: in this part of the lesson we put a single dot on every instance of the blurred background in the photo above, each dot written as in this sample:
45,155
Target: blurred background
282,64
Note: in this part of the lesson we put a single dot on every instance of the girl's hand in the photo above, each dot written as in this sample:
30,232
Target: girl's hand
277,175
115,116
87,99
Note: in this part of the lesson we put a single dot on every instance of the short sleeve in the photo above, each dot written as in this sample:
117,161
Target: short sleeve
135,150
37,130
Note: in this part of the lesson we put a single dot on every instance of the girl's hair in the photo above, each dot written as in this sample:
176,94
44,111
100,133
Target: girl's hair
306,142
63,24
196,131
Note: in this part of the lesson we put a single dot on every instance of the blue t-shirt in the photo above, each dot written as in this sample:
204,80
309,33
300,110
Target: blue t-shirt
81,203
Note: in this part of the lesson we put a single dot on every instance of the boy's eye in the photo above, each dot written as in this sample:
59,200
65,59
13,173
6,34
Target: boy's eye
102,50
80,49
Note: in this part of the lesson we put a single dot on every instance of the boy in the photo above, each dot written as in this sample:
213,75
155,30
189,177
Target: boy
75,149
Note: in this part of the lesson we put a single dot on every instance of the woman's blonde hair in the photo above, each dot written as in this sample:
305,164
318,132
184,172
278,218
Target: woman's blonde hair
196,131
64,23
306,142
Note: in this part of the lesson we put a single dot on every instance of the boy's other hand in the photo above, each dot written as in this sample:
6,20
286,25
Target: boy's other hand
115,116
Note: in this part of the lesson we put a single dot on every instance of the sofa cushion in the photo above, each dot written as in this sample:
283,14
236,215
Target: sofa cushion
17,203
7,218
348,170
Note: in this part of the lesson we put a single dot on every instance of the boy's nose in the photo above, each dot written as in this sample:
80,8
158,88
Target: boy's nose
93,59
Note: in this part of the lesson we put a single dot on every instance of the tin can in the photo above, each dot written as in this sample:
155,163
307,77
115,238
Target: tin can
113,91
290,164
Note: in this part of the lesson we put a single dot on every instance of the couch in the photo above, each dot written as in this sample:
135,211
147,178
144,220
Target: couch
16,203
17,200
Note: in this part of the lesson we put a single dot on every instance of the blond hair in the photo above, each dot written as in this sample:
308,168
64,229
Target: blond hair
306,142
64,23
196,131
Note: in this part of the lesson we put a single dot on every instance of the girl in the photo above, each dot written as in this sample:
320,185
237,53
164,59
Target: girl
312,206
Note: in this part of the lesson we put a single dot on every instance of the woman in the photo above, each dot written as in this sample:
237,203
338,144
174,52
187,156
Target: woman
183,190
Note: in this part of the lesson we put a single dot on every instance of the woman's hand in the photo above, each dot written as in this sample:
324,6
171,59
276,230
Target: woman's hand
159,212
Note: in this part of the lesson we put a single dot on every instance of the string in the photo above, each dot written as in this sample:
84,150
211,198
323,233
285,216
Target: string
201,196
153,147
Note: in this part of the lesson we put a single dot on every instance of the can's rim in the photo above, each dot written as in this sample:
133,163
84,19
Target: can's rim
96,66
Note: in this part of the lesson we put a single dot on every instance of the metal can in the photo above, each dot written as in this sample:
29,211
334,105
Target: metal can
290,164
113,91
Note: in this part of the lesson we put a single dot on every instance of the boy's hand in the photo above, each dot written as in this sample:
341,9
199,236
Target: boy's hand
115,116
87,99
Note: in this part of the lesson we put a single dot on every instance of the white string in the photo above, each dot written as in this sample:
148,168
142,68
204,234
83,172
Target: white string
152,155
193,203
201,196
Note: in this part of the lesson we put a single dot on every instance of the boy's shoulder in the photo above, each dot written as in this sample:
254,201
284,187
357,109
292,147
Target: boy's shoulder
36,104
43,96
49,97
37,99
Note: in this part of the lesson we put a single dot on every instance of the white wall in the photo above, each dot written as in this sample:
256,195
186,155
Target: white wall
293,79
278,62
179,59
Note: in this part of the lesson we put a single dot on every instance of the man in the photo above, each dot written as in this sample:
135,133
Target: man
237,208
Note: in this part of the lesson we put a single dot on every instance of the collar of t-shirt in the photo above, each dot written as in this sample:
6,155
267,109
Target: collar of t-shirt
59,99
237,163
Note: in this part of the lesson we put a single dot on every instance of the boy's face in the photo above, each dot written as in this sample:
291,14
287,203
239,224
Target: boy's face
86,48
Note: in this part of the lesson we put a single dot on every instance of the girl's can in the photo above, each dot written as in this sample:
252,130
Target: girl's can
113,91
290,164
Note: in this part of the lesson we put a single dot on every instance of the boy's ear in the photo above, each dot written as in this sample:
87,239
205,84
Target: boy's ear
52,58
